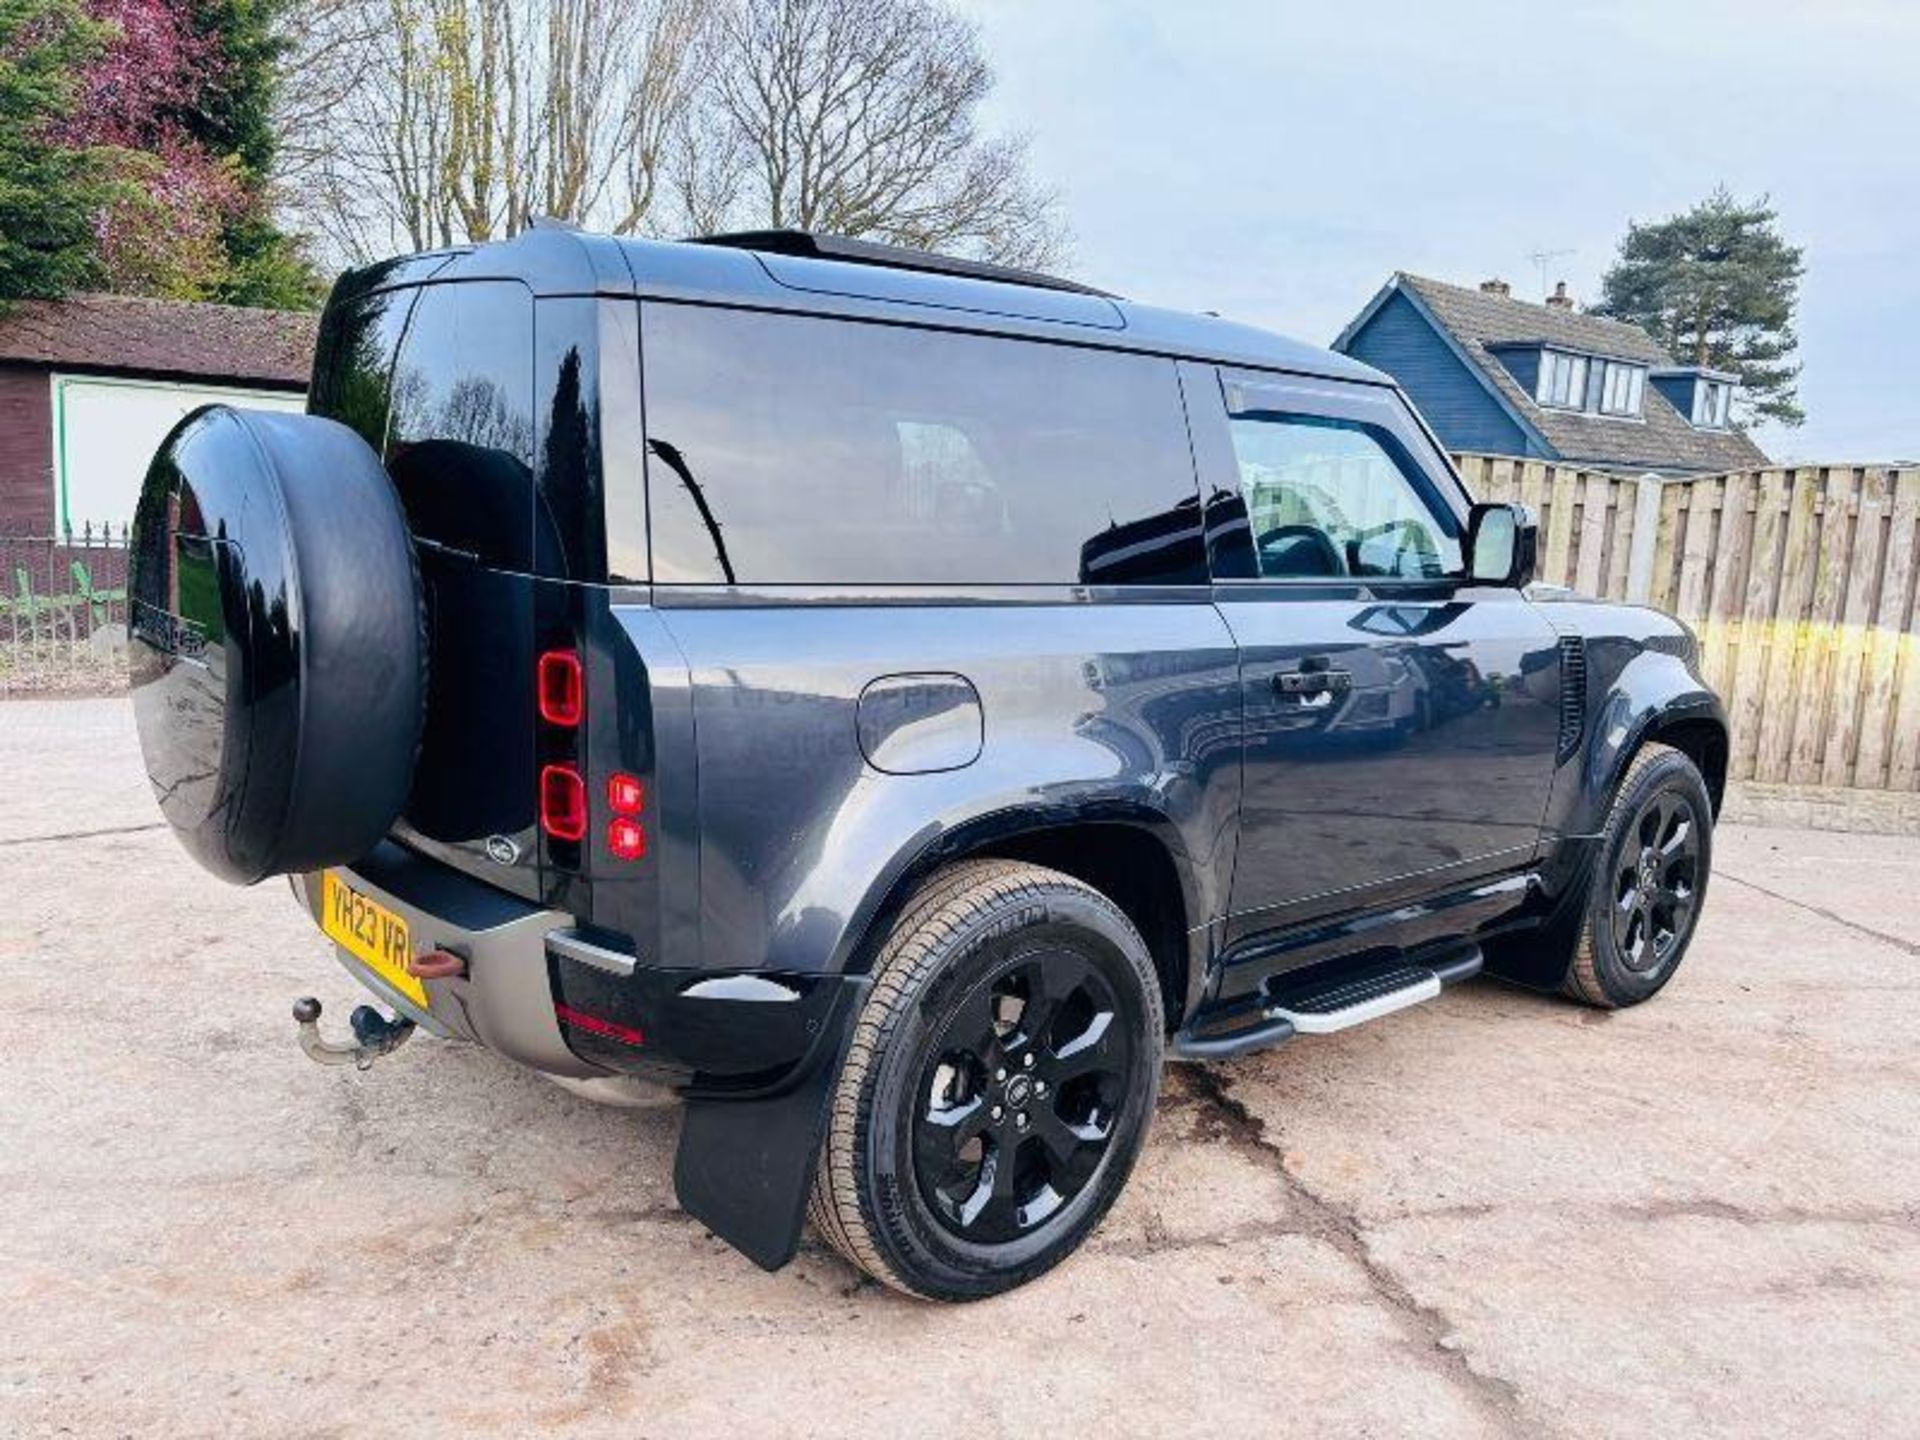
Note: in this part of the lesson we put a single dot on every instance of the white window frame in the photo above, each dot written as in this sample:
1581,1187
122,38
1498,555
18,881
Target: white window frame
1622,389
1712,403
1563,378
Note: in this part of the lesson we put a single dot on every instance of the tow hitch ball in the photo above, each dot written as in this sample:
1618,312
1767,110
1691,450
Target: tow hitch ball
373,1035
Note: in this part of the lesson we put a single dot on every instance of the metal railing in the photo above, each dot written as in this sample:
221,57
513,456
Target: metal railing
63,607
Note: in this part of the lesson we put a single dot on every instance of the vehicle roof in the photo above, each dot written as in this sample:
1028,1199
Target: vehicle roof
554,260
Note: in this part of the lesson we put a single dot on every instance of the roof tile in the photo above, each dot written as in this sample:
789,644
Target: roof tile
162,337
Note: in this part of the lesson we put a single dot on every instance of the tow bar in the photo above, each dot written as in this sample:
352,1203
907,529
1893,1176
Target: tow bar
373,1034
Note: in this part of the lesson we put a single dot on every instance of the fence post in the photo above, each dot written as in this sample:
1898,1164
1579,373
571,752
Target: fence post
1646,534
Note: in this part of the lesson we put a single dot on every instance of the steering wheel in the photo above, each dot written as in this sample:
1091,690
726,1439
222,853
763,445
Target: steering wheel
1307,552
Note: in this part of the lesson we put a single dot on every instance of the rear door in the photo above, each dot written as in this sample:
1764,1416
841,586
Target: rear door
440,378
1400,723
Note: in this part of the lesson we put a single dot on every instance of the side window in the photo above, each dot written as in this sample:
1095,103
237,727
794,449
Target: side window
795,450
460,444
353,362
1331,498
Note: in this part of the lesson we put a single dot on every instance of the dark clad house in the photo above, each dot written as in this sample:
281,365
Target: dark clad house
1509,377
89,384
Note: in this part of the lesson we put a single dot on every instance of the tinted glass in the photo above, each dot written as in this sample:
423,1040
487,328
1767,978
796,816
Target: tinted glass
1330,498
786,449
460,446
353,363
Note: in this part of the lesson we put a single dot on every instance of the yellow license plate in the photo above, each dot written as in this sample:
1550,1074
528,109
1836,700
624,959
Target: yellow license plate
371,933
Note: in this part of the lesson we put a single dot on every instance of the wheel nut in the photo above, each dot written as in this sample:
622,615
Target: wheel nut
1020,1120
1027,1060
997,1112
1001,1073
1040,1088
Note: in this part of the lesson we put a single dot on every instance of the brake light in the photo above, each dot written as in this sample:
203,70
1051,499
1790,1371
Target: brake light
625,794
561,688
563,803
626,839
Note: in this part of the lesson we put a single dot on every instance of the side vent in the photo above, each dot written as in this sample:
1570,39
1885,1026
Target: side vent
1573,694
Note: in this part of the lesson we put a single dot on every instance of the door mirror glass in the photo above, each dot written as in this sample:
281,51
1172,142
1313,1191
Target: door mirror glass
1501,542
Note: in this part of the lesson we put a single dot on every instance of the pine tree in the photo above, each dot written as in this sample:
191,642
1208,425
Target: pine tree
49,192
1717,286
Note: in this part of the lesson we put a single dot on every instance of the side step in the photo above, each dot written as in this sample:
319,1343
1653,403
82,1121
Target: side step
1323,1004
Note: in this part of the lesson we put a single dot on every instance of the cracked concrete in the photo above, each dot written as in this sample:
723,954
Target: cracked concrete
1432,1338
1493,1215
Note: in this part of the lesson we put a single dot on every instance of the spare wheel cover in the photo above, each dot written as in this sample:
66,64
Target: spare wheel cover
277,663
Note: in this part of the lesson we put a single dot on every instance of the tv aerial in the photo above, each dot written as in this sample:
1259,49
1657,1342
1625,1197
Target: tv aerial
1543,258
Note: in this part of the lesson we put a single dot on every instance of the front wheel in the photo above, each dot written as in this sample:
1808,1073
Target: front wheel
998,1085
1649,882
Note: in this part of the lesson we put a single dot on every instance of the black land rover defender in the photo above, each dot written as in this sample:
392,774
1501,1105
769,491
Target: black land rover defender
896,703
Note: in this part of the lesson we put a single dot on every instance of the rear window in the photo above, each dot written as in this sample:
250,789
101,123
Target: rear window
793,450
460,445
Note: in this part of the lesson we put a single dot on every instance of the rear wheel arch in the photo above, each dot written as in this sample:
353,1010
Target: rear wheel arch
1132,862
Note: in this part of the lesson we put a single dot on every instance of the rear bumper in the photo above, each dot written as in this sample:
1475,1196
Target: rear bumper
719,1034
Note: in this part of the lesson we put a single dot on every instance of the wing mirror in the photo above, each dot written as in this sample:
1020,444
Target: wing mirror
1503,542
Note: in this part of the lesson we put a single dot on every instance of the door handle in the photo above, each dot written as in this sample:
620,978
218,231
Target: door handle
1318,680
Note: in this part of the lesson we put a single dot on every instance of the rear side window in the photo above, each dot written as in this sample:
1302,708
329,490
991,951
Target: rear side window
793,450
460,446
353,363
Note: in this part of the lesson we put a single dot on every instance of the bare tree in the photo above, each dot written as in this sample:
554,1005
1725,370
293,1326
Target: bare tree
425,123
857,117
432,122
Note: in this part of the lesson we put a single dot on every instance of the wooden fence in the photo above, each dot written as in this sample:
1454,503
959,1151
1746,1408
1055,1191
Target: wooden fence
1799,582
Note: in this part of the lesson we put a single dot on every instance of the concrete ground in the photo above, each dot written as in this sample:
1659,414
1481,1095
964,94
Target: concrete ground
1496,1214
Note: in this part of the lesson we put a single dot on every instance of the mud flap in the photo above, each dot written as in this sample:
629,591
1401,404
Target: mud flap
1538,958
745,1166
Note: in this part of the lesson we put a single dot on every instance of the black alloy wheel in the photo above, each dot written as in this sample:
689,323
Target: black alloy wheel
1656,881
1654,859
998,1084
1020,1095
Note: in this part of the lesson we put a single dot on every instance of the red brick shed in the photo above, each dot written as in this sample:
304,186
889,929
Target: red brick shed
89,384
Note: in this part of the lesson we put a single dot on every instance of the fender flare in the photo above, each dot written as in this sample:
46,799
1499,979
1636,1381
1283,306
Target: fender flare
988,827
1653,692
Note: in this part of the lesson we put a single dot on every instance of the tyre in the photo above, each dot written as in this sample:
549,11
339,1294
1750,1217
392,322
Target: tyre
998,1085
1649,882
276,656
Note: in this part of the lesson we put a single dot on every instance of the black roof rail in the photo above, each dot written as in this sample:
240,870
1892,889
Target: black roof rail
895,257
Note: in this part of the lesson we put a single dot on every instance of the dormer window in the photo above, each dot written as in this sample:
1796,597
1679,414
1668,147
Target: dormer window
1704,396
1563,380
1712,403
1580,382
1620,388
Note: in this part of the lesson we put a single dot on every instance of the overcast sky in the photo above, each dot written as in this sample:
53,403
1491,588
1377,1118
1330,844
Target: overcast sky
1278,161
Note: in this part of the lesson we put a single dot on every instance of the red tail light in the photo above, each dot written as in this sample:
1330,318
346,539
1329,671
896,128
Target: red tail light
625,794
561,689
626,839
563,803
